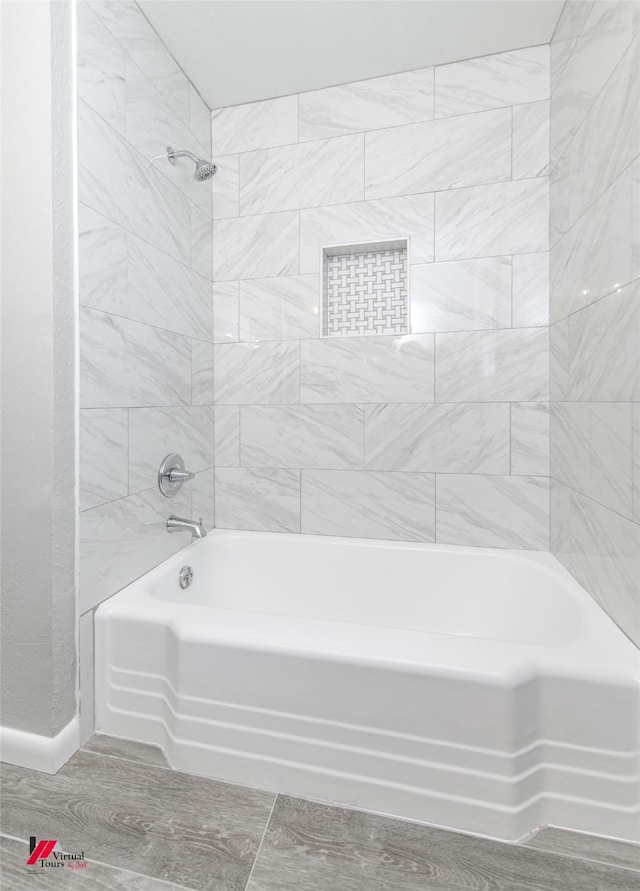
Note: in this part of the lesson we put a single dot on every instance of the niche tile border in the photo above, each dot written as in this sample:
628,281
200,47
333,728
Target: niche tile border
365,289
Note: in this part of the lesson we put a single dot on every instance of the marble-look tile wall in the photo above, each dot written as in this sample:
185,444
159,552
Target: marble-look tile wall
146,318
438,435
595,302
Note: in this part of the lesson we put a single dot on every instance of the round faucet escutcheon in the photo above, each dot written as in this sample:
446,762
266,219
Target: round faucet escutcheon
186,576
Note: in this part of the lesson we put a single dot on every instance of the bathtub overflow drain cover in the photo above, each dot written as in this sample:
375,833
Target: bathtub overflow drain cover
186,576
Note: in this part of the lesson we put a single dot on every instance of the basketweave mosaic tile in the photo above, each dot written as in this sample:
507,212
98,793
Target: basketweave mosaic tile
365,290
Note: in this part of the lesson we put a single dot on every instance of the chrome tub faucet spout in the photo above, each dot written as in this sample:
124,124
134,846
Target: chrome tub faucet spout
180,524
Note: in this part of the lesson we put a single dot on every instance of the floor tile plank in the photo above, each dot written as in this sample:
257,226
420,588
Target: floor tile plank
101,744
162,823
313,847
16,876
588,847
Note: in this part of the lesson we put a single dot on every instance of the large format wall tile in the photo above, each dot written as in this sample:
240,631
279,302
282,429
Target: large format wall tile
605,558
492,81
505,218
635,446
121,540
460,295
327,171
101,68
559,360
367,105
255,125
367,369
530,140
257,373
102,262
603,349
104,446
604,145
201,243
155,433
570,445
366,221
530,438
152,125
595,303
203,497
116,182
602,251
134,33
145,270
530,290
559,521
227,435
493,366
166,293
592,451
463,151
478,257
226,311
493,511
256,247
248,498
606,34
302,436
369,505
225,200
201,372
568,29
199,118
440,438
124,363
283,308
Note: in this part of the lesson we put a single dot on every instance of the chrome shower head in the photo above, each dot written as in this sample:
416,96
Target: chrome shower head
204,171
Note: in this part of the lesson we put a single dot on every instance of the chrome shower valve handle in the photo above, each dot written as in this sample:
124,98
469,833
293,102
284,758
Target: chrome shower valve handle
180,476
172,475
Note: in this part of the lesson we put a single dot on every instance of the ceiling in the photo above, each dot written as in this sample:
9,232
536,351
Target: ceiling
238,51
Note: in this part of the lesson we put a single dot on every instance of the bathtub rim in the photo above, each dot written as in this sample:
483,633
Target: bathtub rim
601,653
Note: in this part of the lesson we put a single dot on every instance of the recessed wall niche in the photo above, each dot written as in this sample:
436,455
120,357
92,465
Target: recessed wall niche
365,289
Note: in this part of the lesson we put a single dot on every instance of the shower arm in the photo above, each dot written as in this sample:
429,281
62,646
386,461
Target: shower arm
171,156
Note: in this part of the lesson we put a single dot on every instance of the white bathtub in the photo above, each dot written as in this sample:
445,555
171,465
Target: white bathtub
478,689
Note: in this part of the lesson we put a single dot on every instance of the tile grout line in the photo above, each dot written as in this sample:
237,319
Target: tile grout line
229,150
391,197
131,233
264,833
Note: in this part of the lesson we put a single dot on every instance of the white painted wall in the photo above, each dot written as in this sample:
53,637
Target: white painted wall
38,338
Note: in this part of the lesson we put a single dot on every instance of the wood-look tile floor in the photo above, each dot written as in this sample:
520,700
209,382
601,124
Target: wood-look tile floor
146,827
